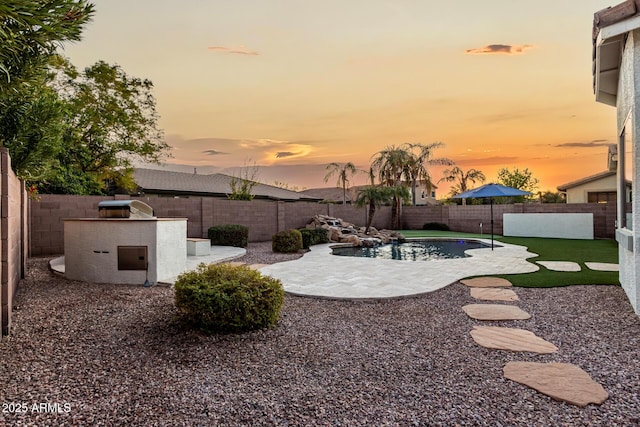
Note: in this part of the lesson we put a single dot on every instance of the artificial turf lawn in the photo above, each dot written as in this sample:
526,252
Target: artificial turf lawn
579,251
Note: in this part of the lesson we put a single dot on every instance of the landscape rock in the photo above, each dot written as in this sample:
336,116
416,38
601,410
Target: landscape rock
345,232
560,381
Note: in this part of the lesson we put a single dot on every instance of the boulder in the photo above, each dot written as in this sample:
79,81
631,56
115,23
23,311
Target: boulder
346,232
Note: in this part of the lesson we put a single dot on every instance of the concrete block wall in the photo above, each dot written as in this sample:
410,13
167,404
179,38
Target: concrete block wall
265,218
468,218
13,238
47,219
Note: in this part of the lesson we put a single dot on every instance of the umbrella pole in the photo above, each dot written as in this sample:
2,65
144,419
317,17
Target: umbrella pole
491,223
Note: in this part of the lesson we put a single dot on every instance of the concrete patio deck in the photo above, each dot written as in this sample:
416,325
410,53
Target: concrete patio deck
318,273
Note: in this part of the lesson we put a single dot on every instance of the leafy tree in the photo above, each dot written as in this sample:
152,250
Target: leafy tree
31,114
372,196
110,121
32,128
520,179
417,168
343,172
462,179
30,33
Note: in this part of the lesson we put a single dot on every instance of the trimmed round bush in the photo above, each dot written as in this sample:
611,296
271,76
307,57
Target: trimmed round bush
313,236
287,241
229,235
435,226
221,298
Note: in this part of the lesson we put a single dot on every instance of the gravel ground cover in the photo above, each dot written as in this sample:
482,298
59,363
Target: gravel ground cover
114,355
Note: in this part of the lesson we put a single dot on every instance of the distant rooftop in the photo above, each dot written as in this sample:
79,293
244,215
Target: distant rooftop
156,181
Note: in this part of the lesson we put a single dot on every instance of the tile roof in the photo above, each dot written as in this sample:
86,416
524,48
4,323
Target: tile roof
166,182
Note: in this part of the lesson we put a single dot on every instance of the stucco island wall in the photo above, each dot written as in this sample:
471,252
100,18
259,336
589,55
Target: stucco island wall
560,226
91,248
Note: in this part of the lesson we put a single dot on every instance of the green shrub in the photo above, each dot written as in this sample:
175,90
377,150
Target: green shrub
435,226
287,241
229,235
313,236
221,298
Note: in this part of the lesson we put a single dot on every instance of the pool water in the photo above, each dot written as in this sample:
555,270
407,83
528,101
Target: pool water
415,250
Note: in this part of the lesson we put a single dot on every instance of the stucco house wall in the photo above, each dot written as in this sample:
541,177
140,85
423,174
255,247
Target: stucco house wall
579,193
628,101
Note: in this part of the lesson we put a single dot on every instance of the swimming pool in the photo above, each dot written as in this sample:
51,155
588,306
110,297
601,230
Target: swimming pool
413,250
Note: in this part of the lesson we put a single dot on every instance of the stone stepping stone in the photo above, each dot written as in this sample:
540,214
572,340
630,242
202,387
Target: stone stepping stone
493,294
487,282
560,381
511,339
560,265
602,266
495,312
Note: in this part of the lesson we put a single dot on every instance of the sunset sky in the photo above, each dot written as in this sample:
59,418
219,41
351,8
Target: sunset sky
292,85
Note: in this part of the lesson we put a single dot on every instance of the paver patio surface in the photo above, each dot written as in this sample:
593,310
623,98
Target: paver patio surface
319,273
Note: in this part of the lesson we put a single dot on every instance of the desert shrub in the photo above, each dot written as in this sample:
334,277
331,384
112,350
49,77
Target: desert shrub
435,226
229,235
287,241
313,236
221,298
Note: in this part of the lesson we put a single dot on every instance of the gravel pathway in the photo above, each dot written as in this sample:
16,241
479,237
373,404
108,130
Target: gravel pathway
114,356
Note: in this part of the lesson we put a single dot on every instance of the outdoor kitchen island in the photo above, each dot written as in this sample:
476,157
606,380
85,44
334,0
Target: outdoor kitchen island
126,244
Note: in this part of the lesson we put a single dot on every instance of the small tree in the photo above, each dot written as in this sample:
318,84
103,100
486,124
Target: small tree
373,197
242,187
344,171
552,197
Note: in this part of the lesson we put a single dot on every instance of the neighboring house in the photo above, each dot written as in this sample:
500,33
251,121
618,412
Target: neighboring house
334,194
616,82
598,188
331,194
178,184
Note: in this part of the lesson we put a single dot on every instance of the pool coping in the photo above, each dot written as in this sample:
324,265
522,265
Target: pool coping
320,274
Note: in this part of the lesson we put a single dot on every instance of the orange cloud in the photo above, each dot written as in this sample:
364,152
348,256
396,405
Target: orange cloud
506,49
240,50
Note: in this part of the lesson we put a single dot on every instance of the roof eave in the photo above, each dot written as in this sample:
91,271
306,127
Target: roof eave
608,45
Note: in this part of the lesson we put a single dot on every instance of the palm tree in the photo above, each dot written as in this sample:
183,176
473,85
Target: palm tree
373,196
462,179
343,176
391,165
418,166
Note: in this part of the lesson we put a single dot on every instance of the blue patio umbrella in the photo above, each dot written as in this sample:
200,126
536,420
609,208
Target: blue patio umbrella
491,190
